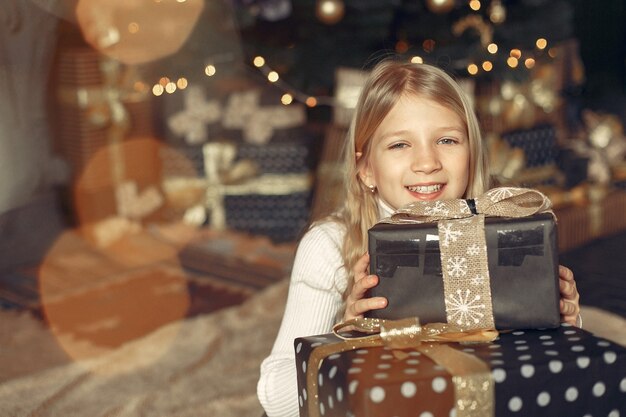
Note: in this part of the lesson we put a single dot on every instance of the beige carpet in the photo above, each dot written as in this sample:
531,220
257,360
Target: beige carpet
202,366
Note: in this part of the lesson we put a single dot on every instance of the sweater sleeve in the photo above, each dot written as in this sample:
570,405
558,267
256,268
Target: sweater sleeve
314,300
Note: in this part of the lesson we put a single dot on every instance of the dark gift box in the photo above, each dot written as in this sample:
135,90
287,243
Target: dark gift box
281,217
553,372
523,272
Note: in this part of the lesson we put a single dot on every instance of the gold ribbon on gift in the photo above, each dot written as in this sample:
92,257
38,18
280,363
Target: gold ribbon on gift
463,248
225,176
106,108
472,380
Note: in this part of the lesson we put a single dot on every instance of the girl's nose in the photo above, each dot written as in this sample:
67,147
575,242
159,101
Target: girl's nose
425,160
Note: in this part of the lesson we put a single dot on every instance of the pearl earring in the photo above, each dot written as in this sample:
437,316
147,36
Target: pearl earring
372,188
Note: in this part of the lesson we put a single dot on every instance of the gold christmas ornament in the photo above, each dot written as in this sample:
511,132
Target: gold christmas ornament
440,6
329,11
137,31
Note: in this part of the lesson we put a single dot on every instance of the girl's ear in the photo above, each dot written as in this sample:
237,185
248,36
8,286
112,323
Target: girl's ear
365,172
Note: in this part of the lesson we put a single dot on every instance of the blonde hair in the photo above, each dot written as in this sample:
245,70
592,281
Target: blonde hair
388,81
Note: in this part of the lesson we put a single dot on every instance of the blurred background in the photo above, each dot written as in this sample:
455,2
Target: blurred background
108,105
159,160
173,151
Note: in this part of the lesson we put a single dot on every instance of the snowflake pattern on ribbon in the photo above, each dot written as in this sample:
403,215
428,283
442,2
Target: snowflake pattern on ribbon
473,249
498,194
478,280
464,208
457,266
463,251
438,209
464,308
449,234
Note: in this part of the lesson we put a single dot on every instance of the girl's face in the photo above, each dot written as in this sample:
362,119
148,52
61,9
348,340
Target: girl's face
419,152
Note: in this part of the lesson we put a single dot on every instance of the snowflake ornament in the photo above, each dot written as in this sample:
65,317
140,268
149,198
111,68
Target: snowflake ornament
465,309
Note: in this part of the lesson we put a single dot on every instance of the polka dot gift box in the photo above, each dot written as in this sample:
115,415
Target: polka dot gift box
551,372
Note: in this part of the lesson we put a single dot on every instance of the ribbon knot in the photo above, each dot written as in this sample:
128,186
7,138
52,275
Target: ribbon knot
497,202
409,332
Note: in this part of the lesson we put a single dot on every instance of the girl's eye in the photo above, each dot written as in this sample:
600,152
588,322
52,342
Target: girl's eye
398,145
447,141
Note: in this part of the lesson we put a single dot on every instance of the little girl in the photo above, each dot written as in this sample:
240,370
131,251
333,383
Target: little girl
414,136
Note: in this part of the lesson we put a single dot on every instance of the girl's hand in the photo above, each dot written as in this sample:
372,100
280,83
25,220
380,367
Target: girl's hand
570,309
356,305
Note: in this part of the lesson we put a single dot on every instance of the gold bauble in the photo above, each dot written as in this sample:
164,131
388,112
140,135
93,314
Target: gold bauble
440,6
329,11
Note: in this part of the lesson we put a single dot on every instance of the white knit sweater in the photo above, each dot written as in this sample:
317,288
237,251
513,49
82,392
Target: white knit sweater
314,305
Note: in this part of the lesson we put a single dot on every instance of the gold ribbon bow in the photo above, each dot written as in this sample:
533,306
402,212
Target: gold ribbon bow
497,202
463,248
473,384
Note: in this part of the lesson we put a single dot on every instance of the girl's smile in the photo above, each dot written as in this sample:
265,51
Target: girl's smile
420,151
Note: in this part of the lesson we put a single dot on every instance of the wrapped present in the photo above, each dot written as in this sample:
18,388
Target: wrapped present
281,217
239,258
539,144
105,116
549,372
236,195
489,262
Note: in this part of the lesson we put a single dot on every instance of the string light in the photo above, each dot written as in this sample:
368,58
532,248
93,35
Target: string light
516,53
158,89
529,63
474,5
140,87
487,66
286,99
133,27
170,87
258,61
182,83
512,62
210,70
492,48
541,43
292,95
472,69
272,76
402,46
428,45
417,60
